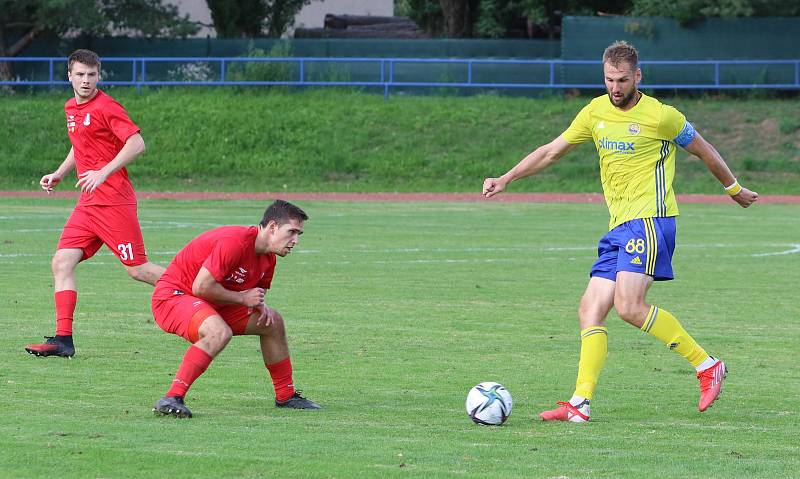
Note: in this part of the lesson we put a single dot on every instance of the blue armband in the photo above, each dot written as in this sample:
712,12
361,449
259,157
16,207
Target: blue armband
686,135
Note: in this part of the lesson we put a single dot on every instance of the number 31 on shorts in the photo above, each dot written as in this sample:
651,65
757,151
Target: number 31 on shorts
126,251
633,246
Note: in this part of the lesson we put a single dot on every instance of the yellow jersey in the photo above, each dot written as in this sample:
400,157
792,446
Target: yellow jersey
637,154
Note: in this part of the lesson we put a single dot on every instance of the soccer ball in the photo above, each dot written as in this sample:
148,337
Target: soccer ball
489,404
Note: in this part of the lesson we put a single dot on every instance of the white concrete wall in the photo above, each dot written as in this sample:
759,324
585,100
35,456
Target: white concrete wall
311,16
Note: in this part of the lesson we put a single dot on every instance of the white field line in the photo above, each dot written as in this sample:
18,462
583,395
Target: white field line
145,225
30,217
393,251
793,248
154,225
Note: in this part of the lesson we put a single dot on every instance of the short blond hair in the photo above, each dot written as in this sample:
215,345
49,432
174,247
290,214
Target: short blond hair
621,52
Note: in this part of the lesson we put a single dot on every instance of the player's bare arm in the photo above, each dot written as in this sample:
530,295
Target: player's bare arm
535,162
206,286
717,166
89,180
48,182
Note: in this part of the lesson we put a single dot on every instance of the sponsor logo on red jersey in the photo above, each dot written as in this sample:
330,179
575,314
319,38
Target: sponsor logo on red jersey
238,276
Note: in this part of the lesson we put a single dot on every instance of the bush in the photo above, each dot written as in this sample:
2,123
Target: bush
274,71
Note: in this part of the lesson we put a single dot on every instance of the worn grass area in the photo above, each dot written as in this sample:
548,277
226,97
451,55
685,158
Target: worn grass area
394,310
257,140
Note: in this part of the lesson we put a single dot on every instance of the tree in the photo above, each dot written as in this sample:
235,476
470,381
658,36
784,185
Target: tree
496,18
22,22
240,18
686,12
280,15
425,13
250,18
457,17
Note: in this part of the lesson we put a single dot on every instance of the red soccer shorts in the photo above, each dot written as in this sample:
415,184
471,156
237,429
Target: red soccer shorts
89,227
182,314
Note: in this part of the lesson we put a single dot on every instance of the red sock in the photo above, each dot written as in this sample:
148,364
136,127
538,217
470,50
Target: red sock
65,310
281,373
195,362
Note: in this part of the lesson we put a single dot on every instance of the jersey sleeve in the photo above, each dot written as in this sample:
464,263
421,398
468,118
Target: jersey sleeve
674,127
119,122
581,128
225,256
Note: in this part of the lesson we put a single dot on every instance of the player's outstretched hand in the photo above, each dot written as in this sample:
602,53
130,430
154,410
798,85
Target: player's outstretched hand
90,180
48,182
492,186
253,297
745,197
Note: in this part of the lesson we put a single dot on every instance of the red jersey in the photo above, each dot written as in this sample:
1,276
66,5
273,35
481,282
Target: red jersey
228,253
98,129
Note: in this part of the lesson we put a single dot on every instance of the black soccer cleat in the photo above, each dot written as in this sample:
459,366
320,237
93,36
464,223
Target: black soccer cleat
53,346
297,402
172,406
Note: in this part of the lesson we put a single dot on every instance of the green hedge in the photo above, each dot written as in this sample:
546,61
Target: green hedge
334,140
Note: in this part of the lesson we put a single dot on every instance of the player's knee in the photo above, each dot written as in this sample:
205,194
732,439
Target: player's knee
277,319
586,310
56,265
276,327
217,336
225,336
62,265
628,309
592,314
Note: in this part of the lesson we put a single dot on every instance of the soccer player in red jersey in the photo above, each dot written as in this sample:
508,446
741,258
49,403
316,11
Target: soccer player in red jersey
104,140
214,290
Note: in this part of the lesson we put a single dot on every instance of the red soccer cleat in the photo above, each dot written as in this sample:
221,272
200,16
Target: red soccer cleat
711,384
53,346
567,412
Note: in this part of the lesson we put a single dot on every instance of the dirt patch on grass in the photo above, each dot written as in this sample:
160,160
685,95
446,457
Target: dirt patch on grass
770,127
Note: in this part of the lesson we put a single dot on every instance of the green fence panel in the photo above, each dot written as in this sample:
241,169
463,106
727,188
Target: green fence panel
585,38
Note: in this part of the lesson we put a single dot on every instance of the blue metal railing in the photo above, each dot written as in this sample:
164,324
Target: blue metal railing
384,72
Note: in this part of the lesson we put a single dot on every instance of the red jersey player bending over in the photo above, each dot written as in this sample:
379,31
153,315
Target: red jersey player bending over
104,140
214,290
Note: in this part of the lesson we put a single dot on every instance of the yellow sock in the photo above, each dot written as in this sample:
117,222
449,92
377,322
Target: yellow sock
665,327
594,347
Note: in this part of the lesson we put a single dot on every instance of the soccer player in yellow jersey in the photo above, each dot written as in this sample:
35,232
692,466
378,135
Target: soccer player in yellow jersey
636,137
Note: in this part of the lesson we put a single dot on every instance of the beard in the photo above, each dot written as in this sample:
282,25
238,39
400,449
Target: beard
624,102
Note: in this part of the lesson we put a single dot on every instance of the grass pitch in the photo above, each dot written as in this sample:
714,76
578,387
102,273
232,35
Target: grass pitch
394,310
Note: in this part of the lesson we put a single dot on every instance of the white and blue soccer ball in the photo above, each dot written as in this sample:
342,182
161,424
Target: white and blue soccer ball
489,404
